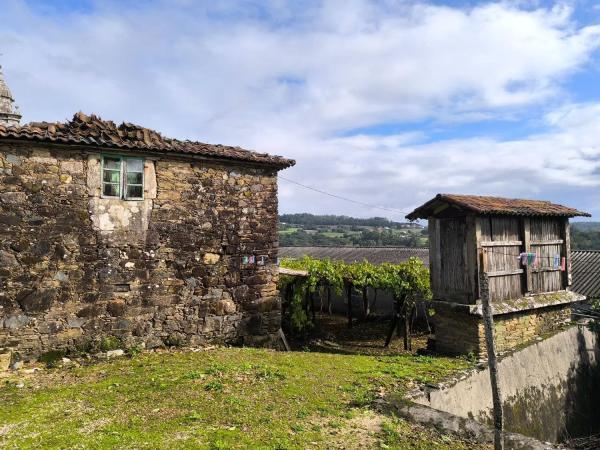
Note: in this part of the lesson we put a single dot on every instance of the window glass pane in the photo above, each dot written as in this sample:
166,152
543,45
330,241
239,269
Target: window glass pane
112,176
135,165
134,178
134,191
112,163
111,190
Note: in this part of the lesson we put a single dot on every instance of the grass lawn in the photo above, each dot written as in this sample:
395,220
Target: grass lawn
290,230
333,234
221,398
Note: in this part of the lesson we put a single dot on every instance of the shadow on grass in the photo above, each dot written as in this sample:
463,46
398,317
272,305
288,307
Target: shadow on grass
331,334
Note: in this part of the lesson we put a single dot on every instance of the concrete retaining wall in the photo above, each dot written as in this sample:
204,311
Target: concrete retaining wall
550,389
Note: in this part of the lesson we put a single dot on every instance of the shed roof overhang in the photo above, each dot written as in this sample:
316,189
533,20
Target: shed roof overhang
448,205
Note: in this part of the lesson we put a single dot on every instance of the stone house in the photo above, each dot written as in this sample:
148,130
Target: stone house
110,230
524,248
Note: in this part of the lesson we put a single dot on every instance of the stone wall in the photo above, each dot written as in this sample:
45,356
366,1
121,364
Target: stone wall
550,389
457,332
516,329
75,267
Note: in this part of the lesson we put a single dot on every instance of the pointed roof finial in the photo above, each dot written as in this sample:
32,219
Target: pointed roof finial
9,112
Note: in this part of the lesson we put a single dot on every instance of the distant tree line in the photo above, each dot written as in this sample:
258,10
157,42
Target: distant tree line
585,236
307,219
586,226
365,238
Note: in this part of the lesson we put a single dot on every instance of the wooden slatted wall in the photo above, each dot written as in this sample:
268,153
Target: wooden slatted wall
454,277
457,241
546,241
500,237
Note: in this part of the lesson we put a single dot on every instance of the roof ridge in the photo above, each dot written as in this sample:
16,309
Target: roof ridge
92,130
492,205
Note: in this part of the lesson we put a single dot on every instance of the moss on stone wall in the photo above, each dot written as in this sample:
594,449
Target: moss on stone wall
458,332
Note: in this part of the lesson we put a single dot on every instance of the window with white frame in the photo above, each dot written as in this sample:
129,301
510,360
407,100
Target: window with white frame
122,177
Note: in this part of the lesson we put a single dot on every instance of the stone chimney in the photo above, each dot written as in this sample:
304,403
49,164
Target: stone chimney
9,112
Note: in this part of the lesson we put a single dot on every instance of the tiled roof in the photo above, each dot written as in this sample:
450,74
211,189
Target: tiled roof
585,265
494,205
93,131
375,255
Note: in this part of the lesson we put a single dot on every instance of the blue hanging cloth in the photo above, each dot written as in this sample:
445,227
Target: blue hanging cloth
523,258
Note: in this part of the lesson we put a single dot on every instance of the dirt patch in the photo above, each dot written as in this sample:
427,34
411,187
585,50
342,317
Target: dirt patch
95,426
5,429
361,431
331,334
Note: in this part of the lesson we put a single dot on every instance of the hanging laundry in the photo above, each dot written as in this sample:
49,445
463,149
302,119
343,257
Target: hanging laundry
528,259
556,263
563,264
523,258
252,259
244,260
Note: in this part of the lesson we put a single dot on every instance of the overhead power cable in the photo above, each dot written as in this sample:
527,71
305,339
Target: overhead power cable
346,199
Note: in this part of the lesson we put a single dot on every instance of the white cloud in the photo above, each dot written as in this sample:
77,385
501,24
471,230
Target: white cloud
390,172
288,79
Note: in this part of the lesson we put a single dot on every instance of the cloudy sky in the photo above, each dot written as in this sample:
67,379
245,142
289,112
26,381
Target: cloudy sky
386,102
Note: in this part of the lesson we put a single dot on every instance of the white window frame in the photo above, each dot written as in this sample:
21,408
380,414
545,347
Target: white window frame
123,177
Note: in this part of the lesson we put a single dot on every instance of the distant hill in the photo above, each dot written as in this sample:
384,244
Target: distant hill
301,230
586,226
306,229
585,235
307,219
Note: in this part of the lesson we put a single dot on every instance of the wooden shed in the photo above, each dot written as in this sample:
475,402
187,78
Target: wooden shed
526,254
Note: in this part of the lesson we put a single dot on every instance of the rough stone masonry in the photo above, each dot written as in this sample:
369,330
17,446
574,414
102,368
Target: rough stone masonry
191,262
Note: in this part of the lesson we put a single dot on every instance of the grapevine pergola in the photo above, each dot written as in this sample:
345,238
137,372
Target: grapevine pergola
407,281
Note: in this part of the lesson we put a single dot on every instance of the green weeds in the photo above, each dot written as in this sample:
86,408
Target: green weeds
223,398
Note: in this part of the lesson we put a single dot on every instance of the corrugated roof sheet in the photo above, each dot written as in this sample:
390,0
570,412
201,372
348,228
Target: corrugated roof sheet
494,205
585,266
375,255
93,131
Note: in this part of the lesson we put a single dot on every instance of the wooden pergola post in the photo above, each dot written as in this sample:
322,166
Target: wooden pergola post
396,322
312,305
349,299
365,299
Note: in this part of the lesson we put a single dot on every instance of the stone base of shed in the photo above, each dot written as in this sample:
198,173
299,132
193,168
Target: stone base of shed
459,329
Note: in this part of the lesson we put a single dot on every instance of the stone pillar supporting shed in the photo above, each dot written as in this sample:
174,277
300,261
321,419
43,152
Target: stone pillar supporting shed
528,300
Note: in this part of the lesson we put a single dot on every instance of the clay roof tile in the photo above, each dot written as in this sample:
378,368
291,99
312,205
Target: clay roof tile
494,206
92,130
